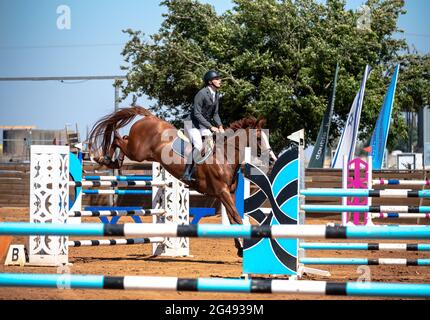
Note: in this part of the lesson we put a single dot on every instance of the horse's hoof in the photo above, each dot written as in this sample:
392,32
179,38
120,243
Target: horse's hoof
103,160
94,159
240,252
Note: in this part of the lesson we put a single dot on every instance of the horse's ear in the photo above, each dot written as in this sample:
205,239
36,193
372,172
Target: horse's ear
261,123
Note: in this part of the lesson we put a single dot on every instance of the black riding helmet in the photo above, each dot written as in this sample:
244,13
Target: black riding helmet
210,75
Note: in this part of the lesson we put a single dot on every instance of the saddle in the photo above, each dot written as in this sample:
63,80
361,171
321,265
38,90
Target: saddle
181,145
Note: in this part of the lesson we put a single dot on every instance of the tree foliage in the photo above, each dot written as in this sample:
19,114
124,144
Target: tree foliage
277,59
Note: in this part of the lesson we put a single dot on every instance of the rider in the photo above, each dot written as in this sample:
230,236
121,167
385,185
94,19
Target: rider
203,119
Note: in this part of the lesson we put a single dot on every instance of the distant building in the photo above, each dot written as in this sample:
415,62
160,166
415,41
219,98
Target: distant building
17,142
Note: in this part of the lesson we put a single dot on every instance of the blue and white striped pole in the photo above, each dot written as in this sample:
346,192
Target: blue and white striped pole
119,178
397,182
112,242
374,209
400,215
116,213
66,281
217,231
120,192
389,193
365,246
118,184
365,261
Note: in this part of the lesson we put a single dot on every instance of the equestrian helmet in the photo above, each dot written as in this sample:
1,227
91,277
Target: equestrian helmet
210,75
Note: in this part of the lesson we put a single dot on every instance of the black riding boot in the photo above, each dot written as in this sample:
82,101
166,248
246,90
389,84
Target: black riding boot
189,166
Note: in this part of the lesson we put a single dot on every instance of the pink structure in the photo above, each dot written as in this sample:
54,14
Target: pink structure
358,178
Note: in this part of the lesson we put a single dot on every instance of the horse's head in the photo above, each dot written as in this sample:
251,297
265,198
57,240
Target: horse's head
263,144
257,138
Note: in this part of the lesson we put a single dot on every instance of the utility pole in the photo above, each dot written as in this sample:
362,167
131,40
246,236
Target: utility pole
117,93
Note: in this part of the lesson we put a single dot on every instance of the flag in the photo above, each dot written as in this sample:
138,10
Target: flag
368,149
380,134
318,154
346,146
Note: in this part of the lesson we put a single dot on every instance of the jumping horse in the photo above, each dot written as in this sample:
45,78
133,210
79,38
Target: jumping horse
150,138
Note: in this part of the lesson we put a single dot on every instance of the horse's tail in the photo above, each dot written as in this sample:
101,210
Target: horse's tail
104,130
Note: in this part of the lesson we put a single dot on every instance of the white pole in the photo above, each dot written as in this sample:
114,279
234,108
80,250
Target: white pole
247,184
345,173
224,217
369,186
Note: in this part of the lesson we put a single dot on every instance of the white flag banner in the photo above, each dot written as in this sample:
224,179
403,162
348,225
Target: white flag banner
346,146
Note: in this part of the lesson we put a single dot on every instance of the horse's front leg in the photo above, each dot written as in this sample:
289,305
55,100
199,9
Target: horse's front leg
107,160
233,216
121,144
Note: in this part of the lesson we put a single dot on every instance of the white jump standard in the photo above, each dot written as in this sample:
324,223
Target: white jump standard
54,170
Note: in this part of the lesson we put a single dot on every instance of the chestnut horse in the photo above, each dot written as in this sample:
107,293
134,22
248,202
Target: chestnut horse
150,138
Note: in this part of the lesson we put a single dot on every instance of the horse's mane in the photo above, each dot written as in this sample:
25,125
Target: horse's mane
249,122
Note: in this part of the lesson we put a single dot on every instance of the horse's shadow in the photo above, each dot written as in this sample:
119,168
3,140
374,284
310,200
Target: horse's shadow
150,258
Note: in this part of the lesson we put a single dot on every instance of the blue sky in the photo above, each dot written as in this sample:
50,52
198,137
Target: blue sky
31,44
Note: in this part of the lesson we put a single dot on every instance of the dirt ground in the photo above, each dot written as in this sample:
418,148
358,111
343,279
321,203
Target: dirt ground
210,258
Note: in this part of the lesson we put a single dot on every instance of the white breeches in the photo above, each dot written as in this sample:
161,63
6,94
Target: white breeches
195,135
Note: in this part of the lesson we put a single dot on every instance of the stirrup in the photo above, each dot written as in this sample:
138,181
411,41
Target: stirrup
188,178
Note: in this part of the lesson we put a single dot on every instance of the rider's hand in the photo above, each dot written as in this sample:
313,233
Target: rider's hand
214,129
221,129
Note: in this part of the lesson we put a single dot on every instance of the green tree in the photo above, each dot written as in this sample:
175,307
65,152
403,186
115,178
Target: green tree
277,59
413,93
